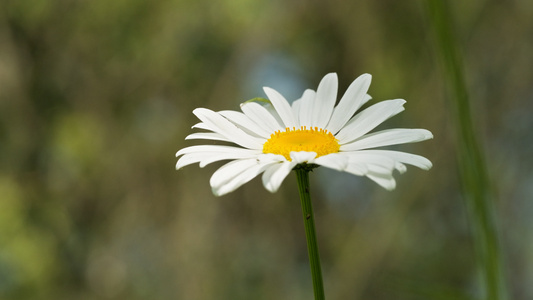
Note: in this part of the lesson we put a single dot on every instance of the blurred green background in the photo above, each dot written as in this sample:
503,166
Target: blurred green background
96,98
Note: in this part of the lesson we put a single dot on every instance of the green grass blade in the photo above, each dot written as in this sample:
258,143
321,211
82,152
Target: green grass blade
474,178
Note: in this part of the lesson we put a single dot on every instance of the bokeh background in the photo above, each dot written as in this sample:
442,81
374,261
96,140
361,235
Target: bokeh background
96,97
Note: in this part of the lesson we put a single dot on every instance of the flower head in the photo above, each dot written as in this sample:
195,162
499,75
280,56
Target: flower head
274,138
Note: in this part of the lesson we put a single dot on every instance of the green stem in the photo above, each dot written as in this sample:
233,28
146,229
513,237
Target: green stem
474,178
302,175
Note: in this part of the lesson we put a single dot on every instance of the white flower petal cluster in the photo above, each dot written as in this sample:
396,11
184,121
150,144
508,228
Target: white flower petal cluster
254,126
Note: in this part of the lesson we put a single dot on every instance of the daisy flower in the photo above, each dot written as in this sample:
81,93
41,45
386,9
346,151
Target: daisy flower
275,137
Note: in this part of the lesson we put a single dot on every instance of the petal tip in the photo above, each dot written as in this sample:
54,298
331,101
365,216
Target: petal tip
267,89
365,76
271,188
216,193
331,76
199,110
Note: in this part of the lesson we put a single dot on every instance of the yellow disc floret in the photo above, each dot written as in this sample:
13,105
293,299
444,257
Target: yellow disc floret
313,140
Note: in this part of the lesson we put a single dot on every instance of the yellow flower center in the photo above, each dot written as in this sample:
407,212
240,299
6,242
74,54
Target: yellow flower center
313,140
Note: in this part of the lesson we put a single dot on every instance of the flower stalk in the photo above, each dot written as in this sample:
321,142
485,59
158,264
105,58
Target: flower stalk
302,174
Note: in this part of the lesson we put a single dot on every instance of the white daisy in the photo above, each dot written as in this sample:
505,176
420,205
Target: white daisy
274,138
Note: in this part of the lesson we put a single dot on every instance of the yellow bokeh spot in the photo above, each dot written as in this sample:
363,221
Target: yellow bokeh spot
313,140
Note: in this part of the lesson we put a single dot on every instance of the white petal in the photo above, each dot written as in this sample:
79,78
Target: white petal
388,137
221,125
358,169
303,156
207,136
384,161
282,107
403,157
354,97
201,125
371,162
271,158
230,170
205,158
239,180
369,119
386,181
401,167
275,174
231,176
368,157
215,149
305,115
334,161
261,116
206,154
189,159
242,121
295,107
224,156
270,108
381,168
326,95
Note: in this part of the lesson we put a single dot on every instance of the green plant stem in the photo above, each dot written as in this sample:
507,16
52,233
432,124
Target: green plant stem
302,175
475,181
